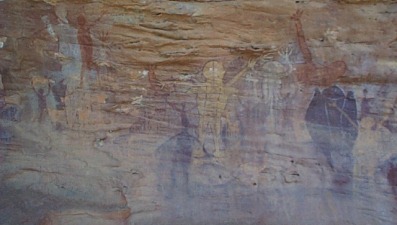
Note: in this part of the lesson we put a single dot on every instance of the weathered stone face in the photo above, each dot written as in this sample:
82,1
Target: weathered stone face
366,1
198,112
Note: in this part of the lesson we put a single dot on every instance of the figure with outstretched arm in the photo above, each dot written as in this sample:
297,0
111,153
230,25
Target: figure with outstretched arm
42,101
309,73
307,55
212,98
86,44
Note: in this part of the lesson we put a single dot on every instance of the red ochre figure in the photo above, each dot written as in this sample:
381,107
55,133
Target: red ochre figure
86,45
309,73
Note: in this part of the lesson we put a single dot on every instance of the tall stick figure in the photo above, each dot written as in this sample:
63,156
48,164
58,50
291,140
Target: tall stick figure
86,45
41,101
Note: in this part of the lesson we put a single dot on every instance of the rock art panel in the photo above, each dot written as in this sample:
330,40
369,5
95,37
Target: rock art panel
197,112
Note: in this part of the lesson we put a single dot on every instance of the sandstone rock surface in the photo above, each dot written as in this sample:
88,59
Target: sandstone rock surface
198,112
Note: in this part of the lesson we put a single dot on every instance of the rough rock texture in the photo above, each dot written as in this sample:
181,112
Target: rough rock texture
198,112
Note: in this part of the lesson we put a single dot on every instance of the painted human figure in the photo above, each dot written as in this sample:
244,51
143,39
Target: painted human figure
59,92
309,73
175,156
331,120
42,102
212,98
372,135
51,45
365,105
86,45
392,178
388,170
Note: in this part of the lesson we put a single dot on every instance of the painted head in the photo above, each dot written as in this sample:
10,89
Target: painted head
333,93
339,68
213,71
81,21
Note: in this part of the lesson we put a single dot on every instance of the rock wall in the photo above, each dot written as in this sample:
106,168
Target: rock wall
198,112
